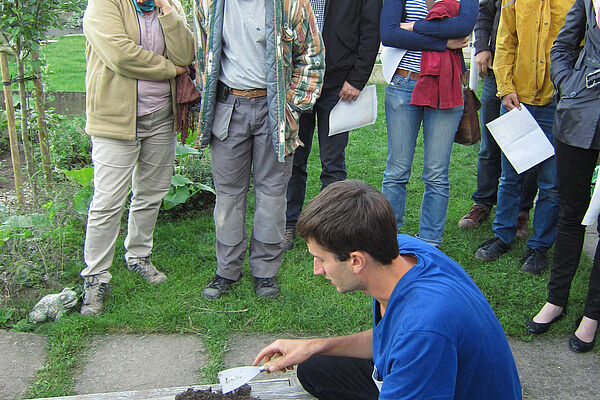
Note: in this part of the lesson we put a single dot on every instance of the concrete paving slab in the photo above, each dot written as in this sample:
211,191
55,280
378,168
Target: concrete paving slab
135,362
21,354
243,348
550,370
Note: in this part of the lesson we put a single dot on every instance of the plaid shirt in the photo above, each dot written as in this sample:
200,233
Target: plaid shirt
318,7
295,62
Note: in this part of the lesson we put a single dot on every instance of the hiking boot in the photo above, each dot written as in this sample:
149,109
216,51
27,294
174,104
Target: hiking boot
522,228
93,294
216,287
491,250
144,267
288,239
475,217
535,262
266,287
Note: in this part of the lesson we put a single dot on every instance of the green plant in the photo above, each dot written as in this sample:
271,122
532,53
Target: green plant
182,187
85,178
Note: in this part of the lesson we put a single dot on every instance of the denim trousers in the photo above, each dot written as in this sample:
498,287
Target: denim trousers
489,159
332,151
145,165
439,128
545,214
575,167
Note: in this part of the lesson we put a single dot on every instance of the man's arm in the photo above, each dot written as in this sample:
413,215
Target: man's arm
296,351
484,25
368,44
504,58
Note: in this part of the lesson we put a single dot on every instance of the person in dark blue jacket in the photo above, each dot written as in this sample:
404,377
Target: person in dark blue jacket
402,26
434,335
575,72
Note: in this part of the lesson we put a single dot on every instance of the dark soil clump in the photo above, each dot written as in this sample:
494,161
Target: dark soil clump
243,393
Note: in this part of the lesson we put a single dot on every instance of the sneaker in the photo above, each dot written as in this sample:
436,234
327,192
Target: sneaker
288,239
93,294
535,262
216,287
491,250
144,267
266,287
476,215
522,228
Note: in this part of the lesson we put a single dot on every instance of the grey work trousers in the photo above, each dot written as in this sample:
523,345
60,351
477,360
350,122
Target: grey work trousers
144,164
240,143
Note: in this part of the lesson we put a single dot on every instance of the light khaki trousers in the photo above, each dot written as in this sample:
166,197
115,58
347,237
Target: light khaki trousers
145,165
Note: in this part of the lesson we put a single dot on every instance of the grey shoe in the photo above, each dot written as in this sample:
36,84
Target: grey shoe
144,267
266,287
216,287
288,239
93,295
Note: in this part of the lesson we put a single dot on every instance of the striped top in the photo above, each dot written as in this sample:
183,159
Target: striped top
416,10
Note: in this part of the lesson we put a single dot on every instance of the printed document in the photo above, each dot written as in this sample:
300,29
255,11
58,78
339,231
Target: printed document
348,115
521,139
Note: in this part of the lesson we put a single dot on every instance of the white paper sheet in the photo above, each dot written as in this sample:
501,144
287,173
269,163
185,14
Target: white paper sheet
390,58
521,139
348,115
591,215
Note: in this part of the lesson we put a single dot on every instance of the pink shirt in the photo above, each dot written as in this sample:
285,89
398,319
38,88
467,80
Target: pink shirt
152,95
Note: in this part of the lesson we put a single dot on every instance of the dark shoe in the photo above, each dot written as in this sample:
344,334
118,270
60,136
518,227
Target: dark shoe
491,250
266,287
535,262
475,217
93,296
522,228
579,346
288,239
542,327
216,287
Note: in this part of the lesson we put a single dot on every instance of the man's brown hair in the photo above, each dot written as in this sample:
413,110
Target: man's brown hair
349,216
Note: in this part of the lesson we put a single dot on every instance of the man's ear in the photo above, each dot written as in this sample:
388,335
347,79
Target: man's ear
358,261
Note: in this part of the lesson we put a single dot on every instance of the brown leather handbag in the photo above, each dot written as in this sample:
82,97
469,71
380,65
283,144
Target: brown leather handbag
468,131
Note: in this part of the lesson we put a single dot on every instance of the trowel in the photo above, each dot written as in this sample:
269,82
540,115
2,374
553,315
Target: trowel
232,378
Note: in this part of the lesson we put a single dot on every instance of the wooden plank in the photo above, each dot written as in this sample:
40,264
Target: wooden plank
272,389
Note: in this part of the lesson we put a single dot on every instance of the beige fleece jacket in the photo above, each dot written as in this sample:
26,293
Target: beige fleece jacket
116,60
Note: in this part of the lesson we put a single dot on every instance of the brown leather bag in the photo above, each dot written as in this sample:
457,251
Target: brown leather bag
187,96
468,132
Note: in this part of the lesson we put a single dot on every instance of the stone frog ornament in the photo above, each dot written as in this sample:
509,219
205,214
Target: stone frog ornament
53,306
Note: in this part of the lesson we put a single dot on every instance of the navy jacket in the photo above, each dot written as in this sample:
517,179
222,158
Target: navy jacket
578,109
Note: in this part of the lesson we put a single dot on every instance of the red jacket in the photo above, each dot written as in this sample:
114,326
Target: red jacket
439,84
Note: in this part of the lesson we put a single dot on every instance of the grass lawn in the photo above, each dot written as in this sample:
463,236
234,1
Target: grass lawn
308,305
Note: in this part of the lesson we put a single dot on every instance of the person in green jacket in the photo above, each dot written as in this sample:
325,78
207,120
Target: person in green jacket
134,51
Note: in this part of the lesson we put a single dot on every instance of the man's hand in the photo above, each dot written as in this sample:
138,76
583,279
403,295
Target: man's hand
483,60
511,101
455,44
180,70
293,352
165,7
348,92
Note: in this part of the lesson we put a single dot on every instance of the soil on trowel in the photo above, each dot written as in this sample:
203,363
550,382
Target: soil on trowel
243,393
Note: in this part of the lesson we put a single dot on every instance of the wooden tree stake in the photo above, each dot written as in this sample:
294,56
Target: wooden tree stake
41,118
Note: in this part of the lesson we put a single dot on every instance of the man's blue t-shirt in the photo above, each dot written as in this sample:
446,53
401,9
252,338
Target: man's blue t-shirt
439,338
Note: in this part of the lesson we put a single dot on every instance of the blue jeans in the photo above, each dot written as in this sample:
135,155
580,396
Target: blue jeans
332,151
545,215
439,128
489,159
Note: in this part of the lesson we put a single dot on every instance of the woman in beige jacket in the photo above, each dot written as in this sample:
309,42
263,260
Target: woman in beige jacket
134,51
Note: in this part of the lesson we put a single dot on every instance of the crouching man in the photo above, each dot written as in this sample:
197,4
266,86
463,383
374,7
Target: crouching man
434,335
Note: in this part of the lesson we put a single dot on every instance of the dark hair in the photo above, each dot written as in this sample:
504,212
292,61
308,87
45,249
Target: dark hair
349,216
